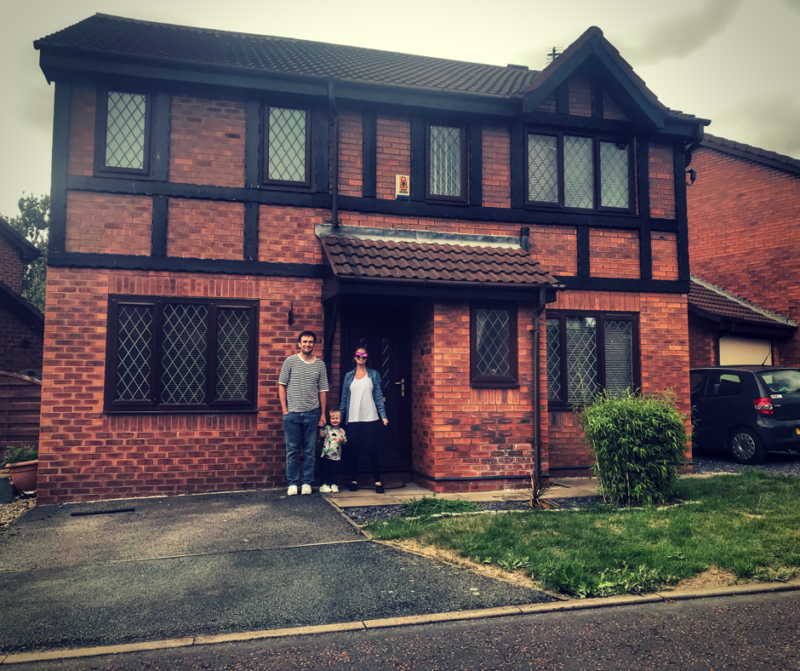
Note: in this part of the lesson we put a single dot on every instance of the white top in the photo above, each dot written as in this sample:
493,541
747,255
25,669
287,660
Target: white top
362,406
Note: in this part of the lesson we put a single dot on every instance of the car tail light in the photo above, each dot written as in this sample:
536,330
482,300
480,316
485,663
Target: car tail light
763,405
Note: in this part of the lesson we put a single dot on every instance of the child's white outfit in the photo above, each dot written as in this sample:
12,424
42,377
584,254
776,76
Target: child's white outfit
331,458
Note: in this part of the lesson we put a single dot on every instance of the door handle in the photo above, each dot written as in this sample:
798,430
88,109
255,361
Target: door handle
402,384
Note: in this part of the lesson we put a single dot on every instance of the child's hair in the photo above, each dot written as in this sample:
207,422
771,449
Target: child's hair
338,413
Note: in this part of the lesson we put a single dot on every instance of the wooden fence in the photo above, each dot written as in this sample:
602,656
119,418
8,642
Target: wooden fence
20,400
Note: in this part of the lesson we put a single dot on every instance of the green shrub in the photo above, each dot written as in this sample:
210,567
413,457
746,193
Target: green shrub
13,455
638,444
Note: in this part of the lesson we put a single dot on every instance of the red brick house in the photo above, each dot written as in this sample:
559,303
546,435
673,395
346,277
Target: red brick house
505,242
744,238
21,324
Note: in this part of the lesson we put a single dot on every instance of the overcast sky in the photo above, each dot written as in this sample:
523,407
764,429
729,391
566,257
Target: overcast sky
732,61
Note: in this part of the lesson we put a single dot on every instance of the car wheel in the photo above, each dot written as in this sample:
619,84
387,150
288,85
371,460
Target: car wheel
745,446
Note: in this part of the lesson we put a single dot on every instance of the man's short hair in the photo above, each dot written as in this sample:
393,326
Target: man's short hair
307,334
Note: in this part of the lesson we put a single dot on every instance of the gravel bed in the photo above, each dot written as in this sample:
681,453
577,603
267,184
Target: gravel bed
18,507
777,463
366,514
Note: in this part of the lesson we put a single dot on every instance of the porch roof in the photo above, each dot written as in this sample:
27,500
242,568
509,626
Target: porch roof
434,263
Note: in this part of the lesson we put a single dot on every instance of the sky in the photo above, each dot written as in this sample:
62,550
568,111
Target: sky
731,61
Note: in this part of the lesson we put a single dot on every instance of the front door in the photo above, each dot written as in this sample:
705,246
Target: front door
385,330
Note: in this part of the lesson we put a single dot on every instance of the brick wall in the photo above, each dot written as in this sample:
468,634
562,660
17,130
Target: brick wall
20,344
286,234
11,266
207,141
580,96
611,110
702,342
744,234
205,230
664,356
393,153
664,255
351,139
83,108
549,104
662,181
85,455
108,224
556,248
496,167
614,253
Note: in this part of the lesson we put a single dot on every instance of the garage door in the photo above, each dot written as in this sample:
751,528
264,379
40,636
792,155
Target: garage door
735,351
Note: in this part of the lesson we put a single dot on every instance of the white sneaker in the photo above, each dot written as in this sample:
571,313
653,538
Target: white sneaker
305,489
335,489
292,491
325,489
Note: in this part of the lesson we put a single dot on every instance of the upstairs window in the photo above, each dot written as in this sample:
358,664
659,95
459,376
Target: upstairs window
579,172
588,352
122,137
493,346
447,163
180,355
287,148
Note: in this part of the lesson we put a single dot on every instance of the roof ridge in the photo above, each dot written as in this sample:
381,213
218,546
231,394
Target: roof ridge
742,301
757,153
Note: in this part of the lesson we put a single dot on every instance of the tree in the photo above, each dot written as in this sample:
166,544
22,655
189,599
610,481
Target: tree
33,222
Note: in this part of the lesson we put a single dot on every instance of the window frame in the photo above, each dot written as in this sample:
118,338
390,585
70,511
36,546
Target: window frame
597,139
153,405
563,403
101,126
283,184
463,188
477,381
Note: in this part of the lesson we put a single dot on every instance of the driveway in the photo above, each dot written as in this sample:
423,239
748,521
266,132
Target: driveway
212,564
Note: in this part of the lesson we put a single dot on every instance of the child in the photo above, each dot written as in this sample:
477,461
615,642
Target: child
331,458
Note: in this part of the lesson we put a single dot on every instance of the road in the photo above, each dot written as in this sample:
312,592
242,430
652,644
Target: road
752,633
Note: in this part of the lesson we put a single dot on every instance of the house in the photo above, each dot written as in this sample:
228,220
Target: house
744,242
504,241
21,324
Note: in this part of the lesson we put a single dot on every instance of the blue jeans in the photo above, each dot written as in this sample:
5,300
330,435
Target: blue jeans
300,431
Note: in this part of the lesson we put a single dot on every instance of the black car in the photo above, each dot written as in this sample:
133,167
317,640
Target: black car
746,410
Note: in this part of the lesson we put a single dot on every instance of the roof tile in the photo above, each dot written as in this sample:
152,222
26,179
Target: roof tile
714,301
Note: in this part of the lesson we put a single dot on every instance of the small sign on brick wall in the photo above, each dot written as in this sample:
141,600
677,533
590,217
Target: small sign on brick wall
402,187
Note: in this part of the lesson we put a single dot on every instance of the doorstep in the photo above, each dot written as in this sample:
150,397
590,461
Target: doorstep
569,488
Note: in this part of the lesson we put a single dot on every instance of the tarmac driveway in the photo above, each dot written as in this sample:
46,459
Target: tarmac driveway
208,565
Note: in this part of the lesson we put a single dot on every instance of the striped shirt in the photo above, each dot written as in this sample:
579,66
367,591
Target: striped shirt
304,381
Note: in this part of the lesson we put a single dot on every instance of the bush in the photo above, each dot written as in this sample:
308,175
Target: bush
638,444
13,455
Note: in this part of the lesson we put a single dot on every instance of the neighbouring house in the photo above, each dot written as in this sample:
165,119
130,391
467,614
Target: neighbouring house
504,241
744,243
21,324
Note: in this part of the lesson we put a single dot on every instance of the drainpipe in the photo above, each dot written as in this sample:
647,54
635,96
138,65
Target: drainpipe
537,410
334,158
525,238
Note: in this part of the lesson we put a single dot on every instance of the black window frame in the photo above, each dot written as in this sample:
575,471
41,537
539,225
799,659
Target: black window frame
478,381
597,139
153,404
284,184
463,187
563,402
101,126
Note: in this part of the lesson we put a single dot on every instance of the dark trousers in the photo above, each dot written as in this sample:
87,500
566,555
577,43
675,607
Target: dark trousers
363,434
329,471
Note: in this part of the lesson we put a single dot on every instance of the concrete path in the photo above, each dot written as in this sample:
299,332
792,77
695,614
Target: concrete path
215,564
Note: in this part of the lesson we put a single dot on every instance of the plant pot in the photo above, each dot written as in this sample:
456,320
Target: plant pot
23,475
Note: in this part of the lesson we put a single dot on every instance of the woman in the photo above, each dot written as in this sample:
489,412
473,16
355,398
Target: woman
362,407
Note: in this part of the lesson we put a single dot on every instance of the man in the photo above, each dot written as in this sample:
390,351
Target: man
303,390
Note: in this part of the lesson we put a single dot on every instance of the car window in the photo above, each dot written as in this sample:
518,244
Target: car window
695,382
723,384
781,381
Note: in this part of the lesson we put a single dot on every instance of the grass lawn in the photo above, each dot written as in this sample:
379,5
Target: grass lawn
746,524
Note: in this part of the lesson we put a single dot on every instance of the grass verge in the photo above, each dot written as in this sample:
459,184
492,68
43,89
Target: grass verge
746,524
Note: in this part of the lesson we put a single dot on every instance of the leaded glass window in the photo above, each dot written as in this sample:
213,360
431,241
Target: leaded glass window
578,172
445,161
493,346
543,168
125,136
614,180
287,145
187,355
587,353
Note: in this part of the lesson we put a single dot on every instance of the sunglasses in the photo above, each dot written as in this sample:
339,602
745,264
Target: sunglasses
360,356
